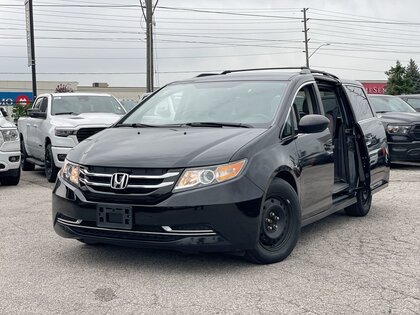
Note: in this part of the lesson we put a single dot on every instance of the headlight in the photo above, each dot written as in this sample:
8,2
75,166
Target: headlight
398,129
62,132
70,172
9,135
205,176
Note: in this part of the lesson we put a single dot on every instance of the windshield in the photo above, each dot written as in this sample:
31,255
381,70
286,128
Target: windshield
234,102
77,104
385,104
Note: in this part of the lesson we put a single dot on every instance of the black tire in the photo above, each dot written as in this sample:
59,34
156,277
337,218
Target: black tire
51,170
11,180
26,166
363,204
279,226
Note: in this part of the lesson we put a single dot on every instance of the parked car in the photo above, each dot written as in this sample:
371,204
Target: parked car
9,151
58,122
413,100
129,104
402,125
238,167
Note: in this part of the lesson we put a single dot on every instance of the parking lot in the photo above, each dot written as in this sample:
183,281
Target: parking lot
341,265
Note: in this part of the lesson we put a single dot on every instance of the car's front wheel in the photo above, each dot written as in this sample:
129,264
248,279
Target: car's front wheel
279,226
51,170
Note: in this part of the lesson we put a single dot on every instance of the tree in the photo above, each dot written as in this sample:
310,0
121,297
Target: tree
397,83
63,88
412,77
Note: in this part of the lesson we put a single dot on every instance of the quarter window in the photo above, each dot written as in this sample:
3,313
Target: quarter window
359,102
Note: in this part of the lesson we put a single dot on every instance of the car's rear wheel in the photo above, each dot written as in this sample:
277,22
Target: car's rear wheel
280,224
26,166
11,180
51,170
363,204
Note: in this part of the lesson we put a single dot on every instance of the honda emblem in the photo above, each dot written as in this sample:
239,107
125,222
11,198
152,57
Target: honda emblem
119,181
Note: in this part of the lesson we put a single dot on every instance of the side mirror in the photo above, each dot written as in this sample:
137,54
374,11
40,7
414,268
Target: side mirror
3,112
313,123
35,113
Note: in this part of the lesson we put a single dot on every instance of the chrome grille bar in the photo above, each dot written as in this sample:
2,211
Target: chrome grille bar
167,175
161,185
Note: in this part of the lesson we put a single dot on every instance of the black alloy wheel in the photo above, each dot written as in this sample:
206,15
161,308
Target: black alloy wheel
51,170
279,226
363,204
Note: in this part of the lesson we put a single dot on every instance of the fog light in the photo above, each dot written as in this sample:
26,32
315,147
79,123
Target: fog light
14,159
61,157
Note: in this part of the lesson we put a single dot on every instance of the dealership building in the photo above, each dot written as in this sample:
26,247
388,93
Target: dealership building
13,92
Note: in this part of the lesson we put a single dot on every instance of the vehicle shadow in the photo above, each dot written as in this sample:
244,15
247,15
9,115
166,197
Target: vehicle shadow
128,258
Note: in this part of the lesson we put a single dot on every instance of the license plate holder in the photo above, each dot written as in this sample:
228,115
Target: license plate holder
117,217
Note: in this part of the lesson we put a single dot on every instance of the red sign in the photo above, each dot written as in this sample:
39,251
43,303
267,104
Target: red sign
22,100
374,88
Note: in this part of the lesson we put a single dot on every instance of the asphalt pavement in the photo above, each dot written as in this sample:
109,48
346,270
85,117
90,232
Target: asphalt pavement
341,265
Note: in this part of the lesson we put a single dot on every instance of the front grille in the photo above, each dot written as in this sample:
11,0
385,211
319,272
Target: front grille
126,236
416,132
84,133
146,186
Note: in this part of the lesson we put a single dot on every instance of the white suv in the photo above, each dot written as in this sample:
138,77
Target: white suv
9,152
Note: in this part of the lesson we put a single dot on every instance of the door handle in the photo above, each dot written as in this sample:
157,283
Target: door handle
35,126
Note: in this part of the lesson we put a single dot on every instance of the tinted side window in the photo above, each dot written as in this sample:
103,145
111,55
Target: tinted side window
289,125
359,102
44,105
38,103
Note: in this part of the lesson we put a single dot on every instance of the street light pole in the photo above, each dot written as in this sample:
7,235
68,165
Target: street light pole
325,44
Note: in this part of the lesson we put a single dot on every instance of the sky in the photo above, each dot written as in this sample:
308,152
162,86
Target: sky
93,41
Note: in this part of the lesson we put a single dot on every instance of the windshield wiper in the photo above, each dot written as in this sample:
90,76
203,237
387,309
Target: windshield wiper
67,113
135,125
382,111
217,124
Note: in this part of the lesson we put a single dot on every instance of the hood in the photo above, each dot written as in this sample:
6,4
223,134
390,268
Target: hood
6,124
162,147
104,119
399,117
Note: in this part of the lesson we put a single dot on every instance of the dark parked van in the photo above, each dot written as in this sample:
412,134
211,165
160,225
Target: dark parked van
235,162
402,126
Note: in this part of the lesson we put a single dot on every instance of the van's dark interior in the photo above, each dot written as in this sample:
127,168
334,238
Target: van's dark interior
343,145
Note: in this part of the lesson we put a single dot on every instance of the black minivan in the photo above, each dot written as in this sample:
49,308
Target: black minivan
235,162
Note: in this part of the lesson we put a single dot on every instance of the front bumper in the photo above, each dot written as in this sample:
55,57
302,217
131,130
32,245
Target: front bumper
223,217
5,164
60,154
404,152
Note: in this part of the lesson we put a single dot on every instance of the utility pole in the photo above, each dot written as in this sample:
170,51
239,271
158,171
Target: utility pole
31,43
148,17
305,30
149,36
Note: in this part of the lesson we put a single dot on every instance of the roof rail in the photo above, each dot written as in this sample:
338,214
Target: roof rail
206,74
313,71
260,69
303,70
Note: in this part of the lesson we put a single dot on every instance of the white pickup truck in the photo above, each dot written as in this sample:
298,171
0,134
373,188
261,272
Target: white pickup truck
9,152
58,122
